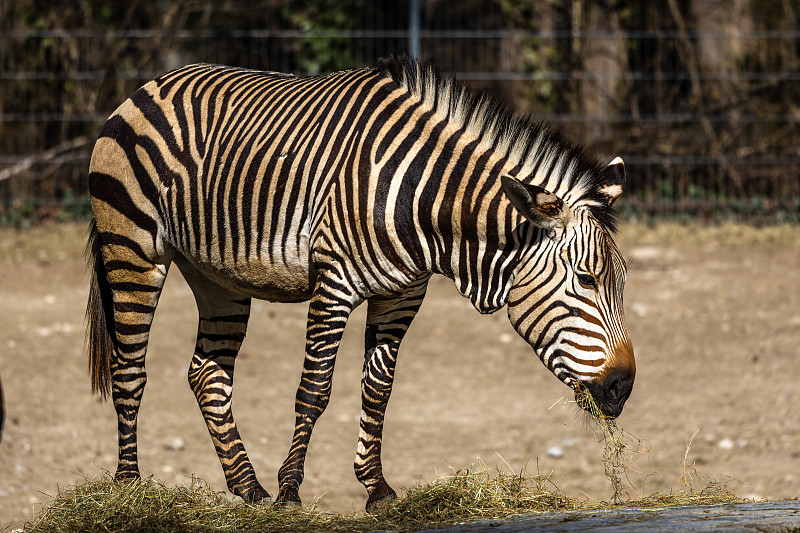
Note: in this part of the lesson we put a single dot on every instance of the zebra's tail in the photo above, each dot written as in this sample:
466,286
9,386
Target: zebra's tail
99,321
2,412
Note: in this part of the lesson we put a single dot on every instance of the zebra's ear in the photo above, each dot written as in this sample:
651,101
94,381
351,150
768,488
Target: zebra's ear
541,207
612,181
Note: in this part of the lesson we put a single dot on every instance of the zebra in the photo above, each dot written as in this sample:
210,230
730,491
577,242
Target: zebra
341,189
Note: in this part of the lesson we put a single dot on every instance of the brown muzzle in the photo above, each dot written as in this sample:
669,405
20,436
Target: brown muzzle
612,389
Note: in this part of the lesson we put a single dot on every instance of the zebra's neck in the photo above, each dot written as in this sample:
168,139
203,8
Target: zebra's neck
450,214
482,244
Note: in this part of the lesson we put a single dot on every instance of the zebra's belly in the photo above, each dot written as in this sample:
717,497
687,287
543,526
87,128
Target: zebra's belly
271,282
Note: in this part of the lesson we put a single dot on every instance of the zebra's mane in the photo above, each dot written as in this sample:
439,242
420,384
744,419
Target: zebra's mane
519,138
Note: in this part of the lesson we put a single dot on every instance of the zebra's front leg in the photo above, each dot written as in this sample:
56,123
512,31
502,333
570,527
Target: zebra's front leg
328,312
388,320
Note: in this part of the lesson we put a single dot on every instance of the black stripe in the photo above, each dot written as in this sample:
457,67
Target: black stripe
106,188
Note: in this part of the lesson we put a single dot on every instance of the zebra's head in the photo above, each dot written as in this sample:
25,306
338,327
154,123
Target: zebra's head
566,297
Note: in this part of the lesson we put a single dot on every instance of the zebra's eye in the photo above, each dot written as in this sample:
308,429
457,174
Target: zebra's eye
587,281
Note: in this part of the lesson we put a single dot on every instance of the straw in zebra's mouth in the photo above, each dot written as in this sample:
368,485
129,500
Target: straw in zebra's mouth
585,400
618,444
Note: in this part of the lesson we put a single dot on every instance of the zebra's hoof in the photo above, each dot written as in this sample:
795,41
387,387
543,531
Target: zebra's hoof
380,499
251,492
127,475
288,504
259,497
288,498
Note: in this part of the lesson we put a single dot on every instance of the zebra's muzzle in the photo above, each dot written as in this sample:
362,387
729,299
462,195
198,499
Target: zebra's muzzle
612,391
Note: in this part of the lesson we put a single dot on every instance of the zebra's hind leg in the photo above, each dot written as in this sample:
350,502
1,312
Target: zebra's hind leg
388,320
136,290
220,332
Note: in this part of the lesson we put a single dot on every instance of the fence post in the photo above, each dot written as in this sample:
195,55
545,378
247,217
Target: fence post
413,28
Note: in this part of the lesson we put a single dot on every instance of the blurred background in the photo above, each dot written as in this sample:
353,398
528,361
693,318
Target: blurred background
699,97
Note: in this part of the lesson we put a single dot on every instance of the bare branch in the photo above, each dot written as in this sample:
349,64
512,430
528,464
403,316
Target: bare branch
43,157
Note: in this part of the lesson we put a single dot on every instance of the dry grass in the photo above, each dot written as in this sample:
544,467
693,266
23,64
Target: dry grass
666,234
148,506
466,495
476,493
619,446
620,449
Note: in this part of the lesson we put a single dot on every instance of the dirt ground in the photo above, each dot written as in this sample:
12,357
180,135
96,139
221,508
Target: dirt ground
714,315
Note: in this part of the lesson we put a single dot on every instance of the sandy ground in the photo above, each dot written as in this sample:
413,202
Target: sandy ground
714,315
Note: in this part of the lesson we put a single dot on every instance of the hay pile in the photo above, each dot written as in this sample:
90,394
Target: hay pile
149,506
475,494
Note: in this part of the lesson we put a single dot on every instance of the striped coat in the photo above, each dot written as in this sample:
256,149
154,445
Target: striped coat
343,189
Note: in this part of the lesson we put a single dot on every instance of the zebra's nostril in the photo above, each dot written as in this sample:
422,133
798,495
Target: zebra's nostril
618,386
613,392
615,389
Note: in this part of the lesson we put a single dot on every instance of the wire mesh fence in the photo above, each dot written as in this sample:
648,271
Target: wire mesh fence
701,99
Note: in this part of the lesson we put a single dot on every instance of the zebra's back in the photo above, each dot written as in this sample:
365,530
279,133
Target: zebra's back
233,169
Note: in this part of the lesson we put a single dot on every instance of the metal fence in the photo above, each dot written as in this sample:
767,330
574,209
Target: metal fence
706,116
